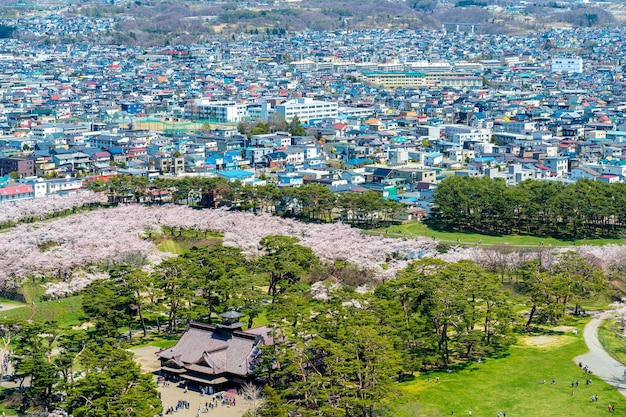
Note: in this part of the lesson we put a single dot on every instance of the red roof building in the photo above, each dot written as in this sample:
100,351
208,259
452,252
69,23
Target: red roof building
17,192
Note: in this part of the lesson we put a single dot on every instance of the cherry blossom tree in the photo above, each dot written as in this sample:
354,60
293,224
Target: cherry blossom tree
61,246
41,207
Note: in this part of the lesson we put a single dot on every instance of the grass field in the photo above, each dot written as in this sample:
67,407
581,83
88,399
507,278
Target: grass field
179,244
424,229
172,126
164,343
511,383
611,340
171,246
66,312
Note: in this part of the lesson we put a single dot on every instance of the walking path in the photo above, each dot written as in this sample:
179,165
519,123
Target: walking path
598,361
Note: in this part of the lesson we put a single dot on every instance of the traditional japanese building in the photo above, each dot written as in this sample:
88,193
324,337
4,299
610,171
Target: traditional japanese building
217,356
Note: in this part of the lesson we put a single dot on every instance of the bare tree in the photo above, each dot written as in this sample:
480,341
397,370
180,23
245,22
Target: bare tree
252,394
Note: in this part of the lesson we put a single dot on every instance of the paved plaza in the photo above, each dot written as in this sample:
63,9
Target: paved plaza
172,394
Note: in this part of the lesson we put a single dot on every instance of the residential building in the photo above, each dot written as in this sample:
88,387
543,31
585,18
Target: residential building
567,64
558,165
23,166
307,109
219,111
64,186
169,164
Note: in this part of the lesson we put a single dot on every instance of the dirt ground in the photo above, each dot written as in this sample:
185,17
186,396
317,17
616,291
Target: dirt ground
564,329
10,306
146,357
540,340
172,394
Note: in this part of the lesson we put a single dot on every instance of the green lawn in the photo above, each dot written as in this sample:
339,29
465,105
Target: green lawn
424,229
171,246
180,245
66,312
511,384
164,343
610,337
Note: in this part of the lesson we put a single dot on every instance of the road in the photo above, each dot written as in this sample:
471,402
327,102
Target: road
599,362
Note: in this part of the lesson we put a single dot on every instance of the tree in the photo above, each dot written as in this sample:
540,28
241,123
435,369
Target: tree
252,394
107,304
137,283
285,261
535,284
329,346
295,129
8,330
114,387
172,277
273,406
221,278
453,309
578,281
259,128
277,122
33,360
206,127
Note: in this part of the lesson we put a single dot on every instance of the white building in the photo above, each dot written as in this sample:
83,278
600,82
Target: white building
557,164
42,131
64,186
460,134
219,111
307,109
571,64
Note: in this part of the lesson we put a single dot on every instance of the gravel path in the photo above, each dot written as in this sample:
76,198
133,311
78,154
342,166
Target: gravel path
598,361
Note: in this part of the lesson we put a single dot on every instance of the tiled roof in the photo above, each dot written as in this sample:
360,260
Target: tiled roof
207,349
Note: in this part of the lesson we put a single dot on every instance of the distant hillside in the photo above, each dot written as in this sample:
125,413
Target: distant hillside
156,22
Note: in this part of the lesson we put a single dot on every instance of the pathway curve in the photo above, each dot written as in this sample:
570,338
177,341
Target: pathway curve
598,360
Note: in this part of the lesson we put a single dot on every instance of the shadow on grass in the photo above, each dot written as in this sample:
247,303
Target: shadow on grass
438,226
566,238
540,331
468,364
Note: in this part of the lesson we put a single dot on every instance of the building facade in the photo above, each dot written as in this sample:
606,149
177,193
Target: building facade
307,109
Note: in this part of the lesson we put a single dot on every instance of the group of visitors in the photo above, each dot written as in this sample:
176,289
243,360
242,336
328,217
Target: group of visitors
182,405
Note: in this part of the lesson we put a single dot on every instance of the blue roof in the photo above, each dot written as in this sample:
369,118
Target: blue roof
116,151
359,161
236,174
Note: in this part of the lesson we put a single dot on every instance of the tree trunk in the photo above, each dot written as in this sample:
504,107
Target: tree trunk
532,314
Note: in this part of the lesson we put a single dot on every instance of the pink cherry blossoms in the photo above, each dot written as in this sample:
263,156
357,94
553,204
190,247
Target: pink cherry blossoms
606,257
71,243
16,210
87,238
